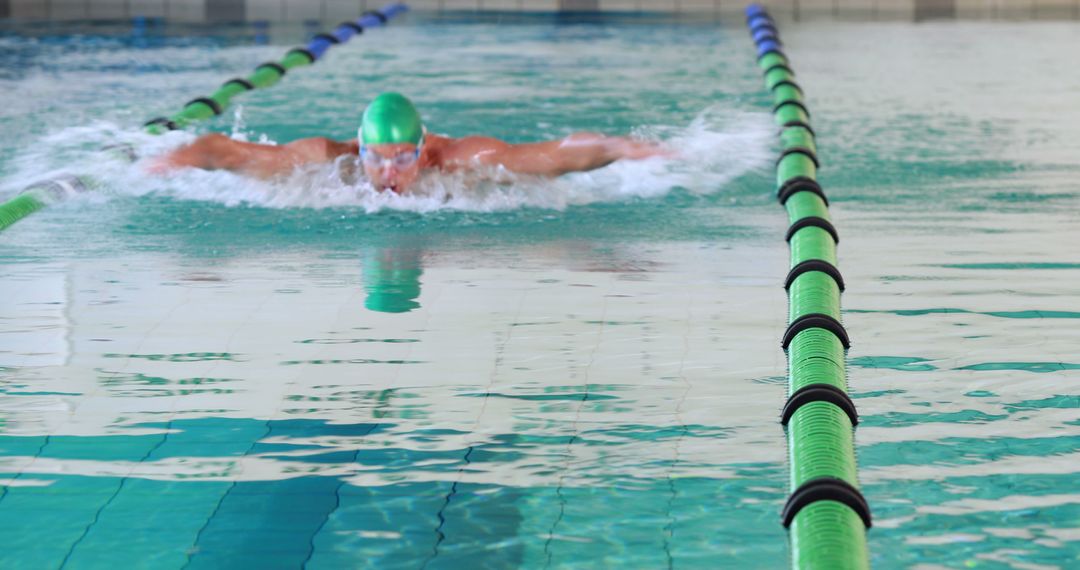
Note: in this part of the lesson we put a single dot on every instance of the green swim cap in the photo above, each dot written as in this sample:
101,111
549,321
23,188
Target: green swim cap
391,119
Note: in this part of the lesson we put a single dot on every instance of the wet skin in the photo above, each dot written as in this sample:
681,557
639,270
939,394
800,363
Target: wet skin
575,153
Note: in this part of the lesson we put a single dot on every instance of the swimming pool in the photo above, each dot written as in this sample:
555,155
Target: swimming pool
203,371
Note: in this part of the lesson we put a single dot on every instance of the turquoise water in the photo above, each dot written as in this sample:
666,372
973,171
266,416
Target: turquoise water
205,371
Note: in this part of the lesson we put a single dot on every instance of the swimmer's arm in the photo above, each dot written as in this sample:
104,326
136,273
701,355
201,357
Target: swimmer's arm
219,152
576,153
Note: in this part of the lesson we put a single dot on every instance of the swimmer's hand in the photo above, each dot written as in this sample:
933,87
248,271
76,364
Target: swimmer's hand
635,149
160,165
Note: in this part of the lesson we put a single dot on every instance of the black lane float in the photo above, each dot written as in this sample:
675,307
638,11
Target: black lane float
826,514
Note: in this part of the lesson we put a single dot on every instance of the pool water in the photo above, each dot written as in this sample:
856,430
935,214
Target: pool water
200,370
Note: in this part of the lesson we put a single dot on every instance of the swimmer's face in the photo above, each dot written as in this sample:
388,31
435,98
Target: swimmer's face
391,167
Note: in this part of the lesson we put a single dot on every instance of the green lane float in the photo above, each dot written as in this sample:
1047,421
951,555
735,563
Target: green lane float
42,194
269,73
826,515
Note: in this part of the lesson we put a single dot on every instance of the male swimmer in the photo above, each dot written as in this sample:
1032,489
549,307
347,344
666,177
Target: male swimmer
395,149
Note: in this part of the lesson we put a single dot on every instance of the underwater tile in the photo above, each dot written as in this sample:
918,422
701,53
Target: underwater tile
27,446
150,553
101,448
66,486
43,554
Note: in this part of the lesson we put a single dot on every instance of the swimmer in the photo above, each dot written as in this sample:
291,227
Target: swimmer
394,149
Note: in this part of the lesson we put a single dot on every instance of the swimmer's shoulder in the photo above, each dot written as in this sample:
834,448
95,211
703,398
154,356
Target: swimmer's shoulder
446,152
341,148
435,142
436,149
322,149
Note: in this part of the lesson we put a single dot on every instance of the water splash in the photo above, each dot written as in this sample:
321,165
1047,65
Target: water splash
717,147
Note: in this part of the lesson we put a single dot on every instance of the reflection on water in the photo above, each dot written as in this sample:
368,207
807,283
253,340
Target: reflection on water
392,279
530,407
970,430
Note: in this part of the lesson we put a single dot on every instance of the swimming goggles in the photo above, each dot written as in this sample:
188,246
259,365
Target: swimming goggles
402,159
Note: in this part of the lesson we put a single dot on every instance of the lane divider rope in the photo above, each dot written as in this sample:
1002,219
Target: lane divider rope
42,194
826,514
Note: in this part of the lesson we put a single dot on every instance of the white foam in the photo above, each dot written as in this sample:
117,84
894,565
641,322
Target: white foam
717,147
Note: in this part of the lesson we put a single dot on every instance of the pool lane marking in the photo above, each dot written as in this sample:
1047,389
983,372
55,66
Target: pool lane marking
116,493
349,303
165,435
669,528
168,427
359,446
337,497
48,437
492,378
192,550
574,428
